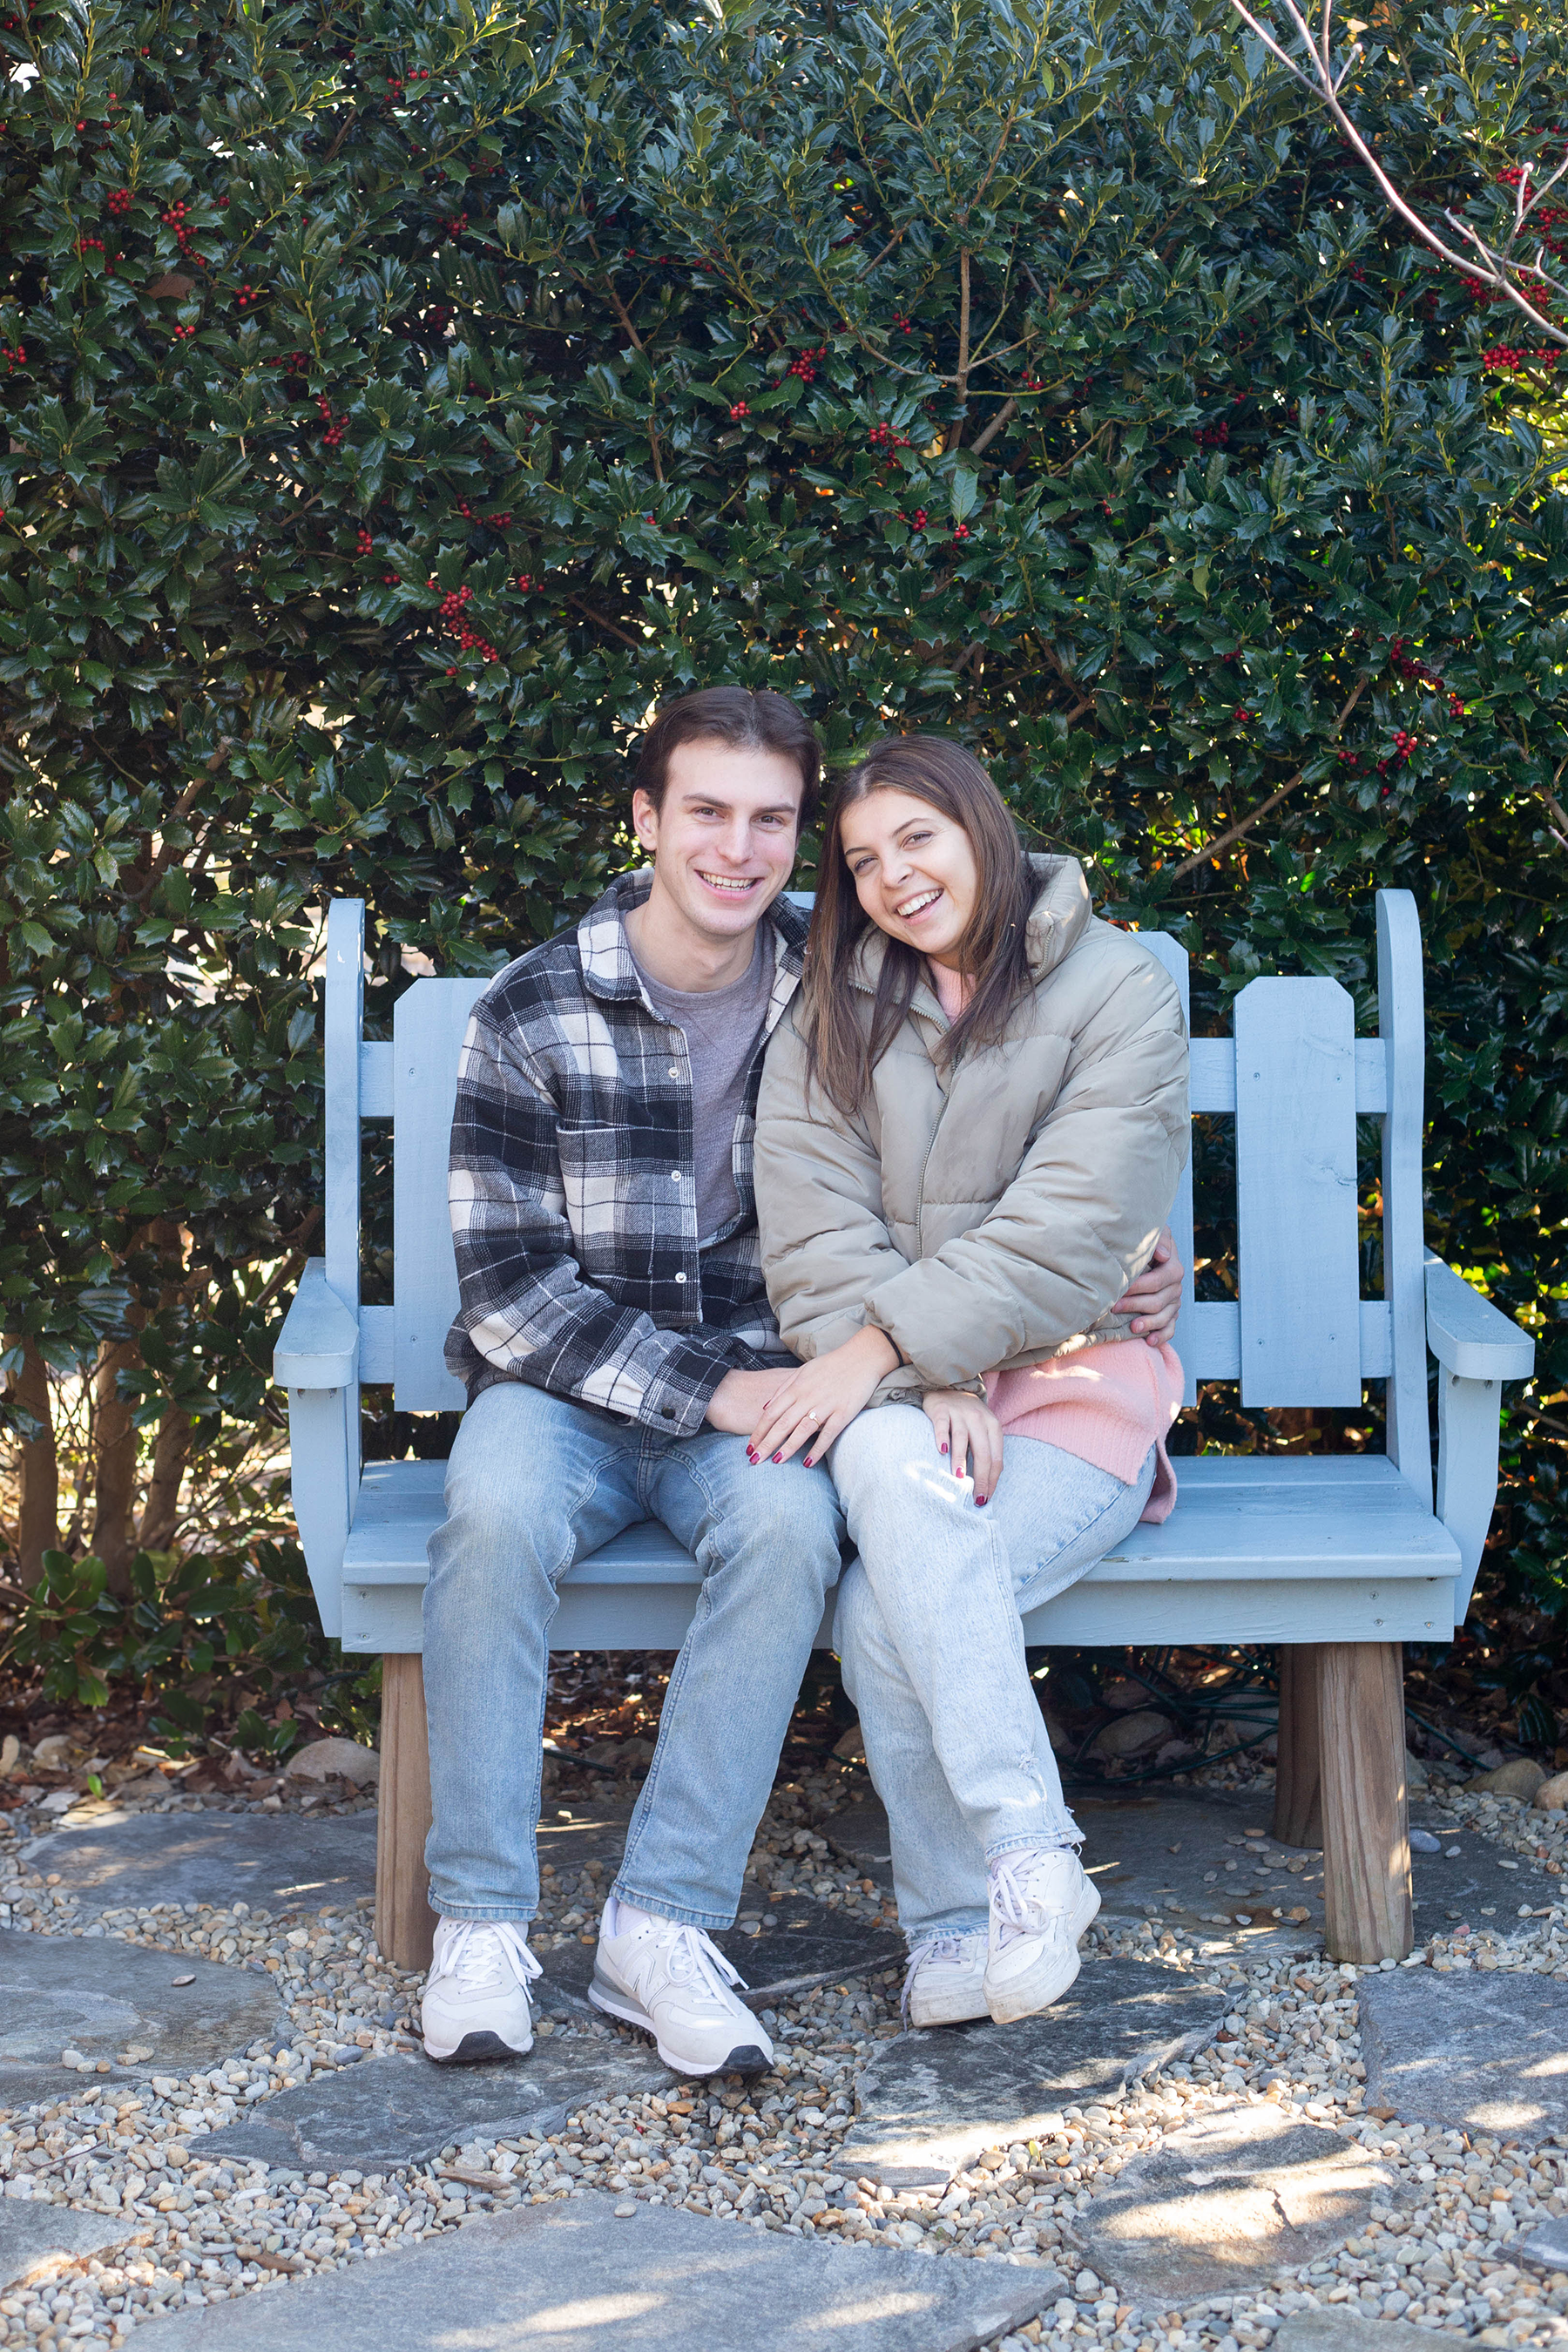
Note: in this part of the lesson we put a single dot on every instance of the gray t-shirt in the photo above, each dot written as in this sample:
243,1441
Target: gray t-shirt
722,1026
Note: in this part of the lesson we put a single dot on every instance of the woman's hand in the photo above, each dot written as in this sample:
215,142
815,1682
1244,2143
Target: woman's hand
1153,1298
809,1407
966,1430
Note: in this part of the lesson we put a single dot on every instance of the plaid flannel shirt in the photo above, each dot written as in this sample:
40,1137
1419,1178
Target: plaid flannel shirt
572,1186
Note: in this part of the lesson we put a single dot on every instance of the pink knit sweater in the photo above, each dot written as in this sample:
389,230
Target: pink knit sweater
1107,1403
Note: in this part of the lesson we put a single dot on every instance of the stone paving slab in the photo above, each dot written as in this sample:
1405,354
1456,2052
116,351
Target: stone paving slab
400,2110
929,2102
811,1946
1226,2201
35,2236
1149,1854
273,1862
1548,2246
567,2275
117,2002
1339,2331
1480,2052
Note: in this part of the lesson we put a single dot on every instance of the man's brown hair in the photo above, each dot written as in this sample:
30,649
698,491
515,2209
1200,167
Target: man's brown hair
747,722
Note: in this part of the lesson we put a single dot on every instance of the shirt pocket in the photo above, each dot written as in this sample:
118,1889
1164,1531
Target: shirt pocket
627,1209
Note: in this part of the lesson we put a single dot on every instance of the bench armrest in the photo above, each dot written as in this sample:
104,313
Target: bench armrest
318,1347
1470,1336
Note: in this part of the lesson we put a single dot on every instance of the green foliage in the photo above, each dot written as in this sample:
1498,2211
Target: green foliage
192,1629
398,402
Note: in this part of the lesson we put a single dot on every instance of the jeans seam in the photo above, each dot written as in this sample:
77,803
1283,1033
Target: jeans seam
535,1769
1043,1567
657,1907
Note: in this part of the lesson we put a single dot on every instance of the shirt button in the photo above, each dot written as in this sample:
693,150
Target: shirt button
675,1175
674,1072
680,1278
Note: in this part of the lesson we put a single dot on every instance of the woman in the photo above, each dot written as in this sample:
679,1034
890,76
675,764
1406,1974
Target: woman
969,1136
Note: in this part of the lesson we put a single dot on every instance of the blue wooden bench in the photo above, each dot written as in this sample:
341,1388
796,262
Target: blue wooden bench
1339,1560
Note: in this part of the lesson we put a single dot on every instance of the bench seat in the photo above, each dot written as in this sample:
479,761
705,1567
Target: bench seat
1259,1550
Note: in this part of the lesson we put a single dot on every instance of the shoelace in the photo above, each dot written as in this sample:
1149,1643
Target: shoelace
929,1947
692,1959
473,1962
1018,1911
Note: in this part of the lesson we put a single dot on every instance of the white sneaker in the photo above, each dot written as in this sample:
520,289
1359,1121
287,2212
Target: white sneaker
674,1984
1041,1901
476,2003
946,1982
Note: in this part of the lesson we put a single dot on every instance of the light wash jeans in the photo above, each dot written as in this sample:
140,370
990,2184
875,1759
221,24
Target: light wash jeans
929,1633
534,1483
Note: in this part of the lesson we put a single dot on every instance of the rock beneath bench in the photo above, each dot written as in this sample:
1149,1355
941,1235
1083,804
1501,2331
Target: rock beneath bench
1225,2203
141,2013
568,2276
930,2103
401,2110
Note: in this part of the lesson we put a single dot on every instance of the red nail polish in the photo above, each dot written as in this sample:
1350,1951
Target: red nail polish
944,1449
808,1462
778,1457
981,1500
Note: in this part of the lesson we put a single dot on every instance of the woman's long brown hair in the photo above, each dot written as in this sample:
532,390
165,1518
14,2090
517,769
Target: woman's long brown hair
841,1051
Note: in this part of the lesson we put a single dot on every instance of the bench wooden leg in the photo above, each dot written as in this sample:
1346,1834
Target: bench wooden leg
1297,1774
1366,1834
404,1922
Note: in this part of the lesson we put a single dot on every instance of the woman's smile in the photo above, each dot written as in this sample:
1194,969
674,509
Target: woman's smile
913,870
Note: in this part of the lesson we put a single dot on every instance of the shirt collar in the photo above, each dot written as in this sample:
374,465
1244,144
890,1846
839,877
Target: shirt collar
609,968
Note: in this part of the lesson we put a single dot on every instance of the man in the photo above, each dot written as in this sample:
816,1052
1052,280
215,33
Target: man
617,1347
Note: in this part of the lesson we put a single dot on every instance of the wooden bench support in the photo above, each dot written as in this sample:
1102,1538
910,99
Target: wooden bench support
1297,1777
1340,1788
404,1922
1366,1831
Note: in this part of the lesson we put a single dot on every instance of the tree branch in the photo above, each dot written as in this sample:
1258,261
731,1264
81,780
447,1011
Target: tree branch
1490,267
1264,808
1004,415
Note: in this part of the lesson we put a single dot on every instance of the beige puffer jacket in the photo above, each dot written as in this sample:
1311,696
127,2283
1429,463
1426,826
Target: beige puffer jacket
986,1216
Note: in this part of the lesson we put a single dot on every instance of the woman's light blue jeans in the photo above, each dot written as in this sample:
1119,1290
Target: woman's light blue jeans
534,1483
928,1631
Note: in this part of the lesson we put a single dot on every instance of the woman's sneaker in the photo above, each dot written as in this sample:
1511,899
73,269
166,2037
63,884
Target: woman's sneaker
946,1982
674,1984
476,2004
1041,1901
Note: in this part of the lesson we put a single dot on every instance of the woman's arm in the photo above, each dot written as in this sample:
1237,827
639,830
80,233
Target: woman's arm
819,1206
1083,1213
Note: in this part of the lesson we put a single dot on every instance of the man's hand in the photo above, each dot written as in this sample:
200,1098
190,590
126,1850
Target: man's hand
1154,1300
740,1398
810,1405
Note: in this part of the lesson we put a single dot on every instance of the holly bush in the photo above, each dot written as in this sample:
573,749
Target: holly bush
399,401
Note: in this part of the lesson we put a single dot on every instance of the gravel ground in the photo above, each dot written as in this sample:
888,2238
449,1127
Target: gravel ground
768,2152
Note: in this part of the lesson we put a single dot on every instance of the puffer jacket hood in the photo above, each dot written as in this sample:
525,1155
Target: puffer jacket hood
985,1214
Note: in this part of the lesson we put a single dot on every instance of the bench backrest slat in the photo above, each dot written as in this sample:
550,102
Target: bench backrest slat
1401,1019
1297,1275
428,1025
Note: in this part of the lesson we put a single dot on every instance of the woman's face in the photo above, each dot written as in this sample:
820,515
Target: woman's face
913,870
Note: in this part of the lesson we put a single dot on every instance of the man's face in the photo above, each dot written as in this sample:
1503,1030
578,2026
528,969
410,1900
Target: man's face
724,841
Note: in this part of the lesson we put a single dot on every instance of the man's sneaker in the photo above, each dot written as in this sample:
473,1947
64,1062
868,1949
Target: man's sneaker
1041,1901
946,1982
476,2003
674,1984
